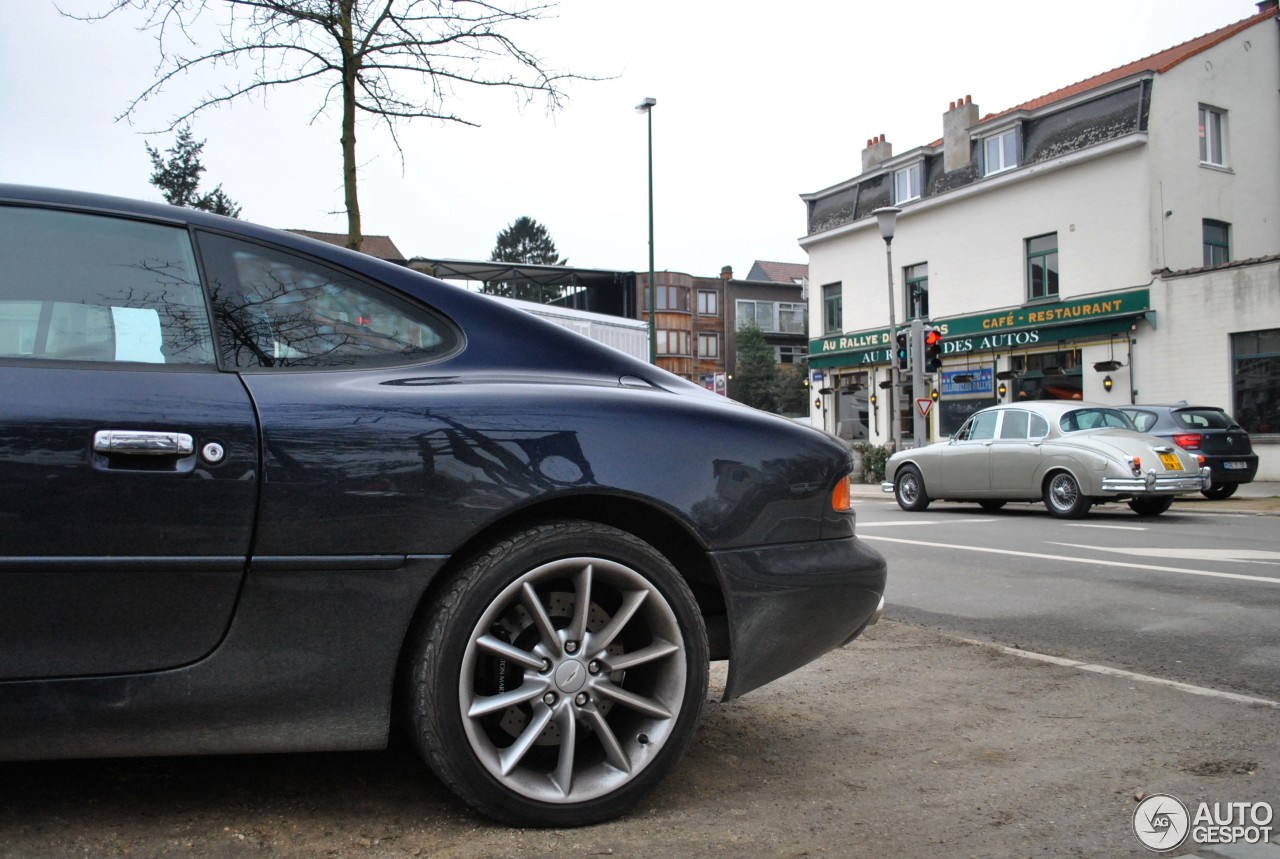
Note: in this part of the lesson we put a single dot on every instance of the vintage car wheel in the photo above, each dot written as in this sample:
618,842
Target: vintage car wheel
991,506
1219,491
1151,506
1063,497
559,675
908,489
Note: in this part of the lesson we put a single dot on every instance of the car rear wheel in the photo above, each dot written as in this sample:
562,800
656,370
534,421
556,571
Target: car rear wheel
559,675
1063,497
1219,491
908,489
1151,506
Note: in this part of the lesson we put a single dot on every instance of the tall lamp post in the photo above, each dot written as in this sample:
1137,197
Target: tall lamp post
887,216
646,107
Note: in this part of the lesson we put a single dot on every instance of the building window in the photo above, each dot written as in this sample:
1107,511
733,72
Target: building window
673,342
1042,267
907,183
708,345
1000,152
832,308
1256,361
789,354
671,298
775,317
916,279
1213,136
1217,242
708,302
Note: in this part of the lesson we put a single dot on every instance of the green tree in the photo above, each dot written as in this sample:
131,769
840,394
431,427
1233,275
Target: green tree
391,60
178,177
526,241
793,395
756,375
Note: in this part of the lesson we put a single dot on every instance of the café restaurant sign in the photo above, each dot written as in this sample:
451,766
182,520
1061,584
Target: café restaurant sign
1017,327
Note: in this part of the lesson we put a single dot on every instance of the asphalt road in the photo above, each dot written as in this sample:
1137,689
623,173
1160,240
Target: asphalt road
1192,596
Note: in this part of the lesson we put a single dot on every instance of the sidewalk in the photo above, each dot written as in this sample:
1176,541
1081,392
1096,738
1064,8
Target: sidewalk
1261,496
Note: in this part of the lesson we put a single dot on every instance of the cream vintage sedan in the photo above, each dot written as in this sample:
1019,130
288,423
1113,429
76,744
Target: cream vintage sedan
1069,454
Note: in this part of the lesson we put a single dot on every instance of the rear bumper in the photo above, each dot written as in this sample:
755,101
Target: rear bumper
1222,474
789,604
1153,484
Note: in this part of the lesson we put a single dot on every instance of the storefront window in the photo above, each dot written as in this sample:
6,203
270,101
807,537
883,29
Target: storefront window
1255,359
1049,376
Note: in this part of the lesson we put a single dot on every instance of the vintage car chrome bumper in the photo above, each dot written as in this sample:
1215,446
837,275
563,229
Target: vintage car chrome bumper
886,487
1151,484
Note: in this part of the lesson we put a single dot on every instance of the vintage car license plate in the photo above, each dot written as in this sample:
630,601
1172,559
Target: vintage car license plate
1234,466
1171,462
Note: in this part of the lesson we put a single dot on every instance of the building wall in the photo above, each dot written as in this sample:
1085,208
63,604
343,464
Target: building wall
1240,76
1127,207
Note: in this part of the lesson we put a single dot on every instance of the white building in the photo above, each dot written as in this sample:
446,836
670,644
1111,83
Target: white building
1117,240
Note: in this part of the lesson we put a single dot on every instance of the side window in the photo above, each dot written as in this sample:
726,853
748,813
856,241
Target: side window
78,287
1039,427
1015,424
277,310
983,426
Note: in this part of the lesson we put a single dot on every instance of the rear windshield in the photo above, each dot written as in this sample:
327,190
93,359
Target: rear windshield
1204,419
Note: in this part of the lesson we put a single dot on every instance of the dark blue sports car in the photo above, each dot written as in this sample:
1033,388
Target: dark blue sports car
262,494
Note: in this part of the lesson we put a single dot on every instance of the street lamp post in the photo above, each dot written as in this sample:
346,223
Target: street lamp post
646,107
887,216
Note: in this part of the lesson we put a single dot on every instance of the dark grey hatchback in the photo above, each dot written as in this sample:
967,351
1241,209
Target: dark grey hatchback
260,493
1207,431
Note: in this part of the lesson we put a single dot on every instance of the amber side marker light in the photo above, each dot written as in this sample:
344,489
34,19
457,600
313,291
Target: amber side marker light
840,500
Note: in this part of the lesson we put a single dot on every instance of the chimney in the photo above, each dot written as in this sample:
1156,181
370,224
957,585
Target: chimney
726,272
956,122
877,152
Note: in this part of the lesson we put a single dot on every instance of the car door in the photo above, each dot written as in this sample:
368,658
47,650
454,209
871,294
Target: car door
128,462
1015,454
966,461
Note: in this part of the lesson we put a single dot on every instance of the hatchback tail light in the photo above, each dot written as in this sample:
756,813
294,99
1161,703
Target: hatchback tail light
1187,440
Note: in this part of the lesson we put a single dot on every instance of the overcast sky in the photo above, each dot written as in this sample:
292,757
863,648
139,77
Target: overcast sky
758,102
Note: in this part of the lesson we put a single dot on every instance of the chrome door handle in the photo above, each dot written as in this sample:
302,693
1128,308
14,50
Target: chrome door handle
142,443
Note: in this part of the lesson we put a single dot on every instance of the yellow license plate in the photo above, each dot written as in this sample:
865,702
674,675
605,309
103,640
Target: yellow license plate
1171,462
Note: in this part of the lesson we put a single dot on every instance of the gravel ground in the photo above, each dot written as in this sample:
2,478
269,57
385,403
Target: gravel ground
906,743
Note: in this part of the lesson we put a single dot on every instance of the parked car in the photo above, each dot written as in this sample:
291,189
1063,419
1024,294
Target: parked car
1069,454
1206,431
262,492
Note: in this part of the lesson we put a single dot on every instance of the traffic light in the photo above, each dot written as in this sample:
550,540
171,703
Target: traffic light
903,351
932,350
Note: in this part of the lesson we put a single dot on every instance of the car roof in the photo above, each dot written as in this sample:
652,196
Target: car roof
1172,407
1049,407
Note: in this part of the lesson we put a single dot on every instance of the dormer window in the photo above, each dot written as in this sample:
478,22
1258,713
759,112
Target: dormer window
1000,152
907,183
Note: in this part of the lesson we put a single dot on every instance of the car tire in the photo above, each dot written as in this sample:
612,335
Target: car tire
991,506
908,489
1151,506
1219,491
540,714
1063,497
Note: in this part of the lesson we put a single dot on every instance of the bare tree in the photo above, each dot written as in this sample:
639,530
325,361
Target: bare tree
390,59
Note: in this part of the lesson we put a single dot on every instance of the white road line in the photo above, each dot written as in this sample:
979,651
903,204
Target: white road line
1256,556
1106,527
1128,675
917,522
1098,562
